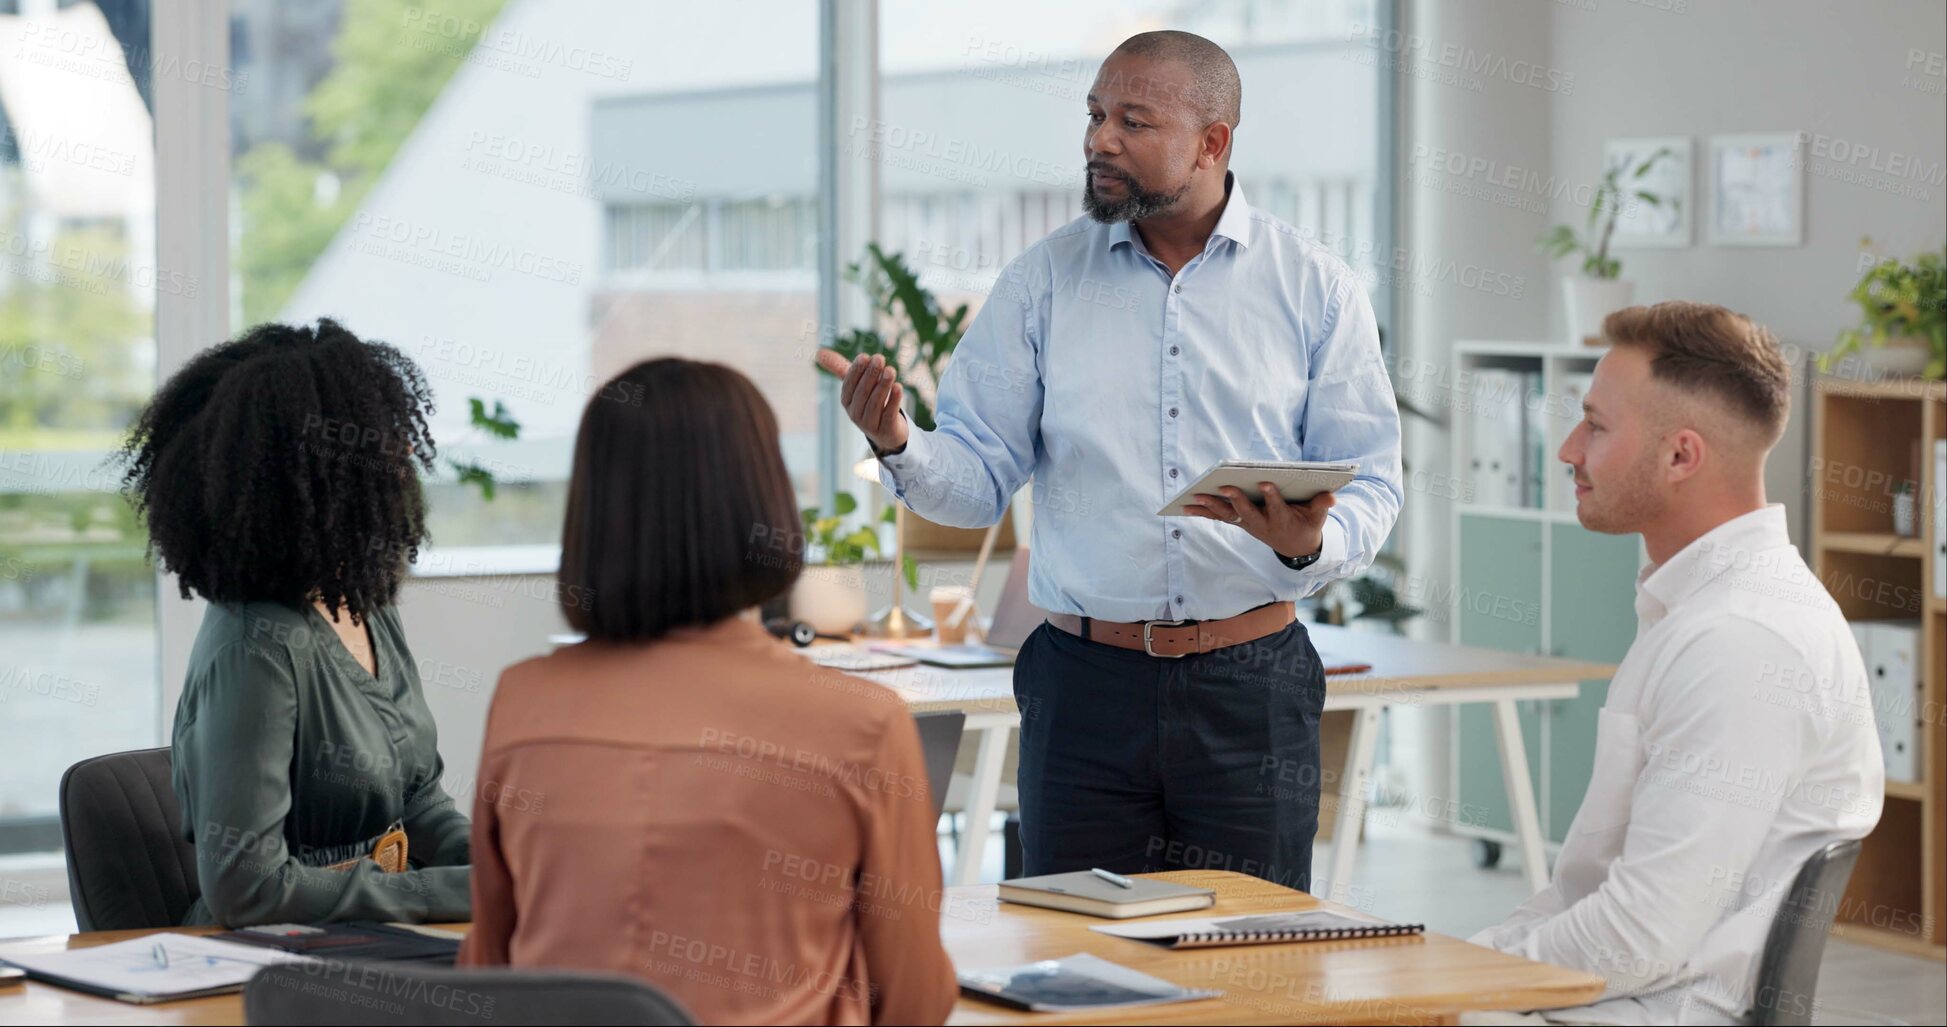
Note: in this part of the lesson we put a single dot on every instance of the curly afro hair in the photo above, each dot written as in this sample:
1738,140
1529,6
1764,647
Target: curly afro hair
283,466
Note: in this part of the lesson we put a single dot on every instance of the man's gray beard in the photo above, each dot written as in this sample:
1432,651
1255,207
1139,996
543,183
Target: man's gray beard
1135,207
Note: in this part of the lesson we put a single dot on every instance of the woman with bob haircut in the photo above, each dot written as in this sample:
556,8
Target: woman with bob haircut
681,796
278,475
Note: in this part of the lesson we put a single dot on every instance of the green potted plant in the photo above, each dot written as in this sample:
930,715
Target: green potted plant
1599,288
1903,327
919,341
830,593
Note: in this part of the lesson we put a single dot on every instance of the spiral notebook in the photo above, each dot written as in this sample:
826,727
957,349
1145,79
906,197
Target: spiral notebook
1261,929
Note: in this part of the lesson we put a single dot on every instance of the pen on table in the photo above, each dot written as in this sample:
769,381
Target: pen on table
1116,879
160,953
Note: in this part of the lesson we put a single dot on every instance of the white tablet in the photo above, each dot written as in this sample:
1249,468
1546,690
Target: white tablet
1296,481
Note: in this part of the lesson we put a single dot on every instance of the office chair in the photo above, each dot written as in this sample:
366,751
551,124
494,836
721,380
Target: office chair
332,992
1788,971
128,865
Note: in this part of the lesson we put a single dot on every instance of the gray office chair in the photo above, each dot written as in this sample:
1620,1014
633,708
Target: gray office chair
939,743
1788,972
128,865
331,992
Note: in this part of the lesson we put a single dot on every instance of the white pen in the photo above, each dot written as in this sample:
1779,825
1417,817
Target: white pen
1116,879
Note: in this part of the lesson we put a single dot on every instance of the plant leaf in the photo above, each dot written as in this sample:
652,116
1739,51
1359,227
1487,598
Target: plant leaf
473,474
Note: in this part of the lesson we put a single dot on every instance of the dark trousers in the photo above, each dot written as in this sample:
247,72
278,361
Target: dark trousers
1138,763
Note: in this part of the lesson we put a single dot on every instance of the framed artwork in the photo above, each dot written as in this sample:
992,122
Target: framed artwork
1757,190
1665,223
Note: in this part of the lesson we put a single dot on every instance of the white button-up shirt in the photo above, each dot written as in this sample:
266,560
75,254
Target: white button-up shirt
1737,740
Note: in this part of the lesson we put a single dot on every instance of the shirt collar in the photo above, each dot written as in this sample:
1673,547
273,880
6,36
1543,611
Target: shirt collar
1734,543
1233,224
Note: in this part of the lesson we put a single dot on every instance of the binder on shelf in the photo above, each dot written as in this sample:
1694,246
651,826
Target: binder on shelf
1891,650
1940,518
1494,440
1534,440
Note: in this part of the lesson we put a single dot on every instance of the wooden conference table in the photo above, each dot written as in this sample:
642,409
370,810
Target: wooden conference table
1425,979
1405,672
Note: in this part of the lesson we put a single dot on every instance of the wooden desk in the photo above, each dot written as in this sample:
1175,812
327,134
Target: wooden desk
1405,672
1426,979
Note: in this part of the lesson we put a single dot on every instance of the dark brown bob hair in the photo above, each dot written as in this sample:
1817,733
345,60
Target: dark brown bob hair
680,511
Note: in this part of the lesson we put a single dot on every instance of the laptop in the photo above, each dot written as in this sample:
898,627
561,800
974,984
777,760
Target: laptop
1015,618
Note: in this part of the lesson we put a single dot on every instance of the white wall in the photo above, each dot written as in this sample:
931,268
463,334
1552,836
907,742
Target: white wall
1442,113
1615,69
1838,71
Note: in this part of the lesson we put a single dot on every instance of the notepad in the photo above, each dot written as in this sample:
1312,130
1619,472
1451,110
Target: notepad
1083,892
1258,929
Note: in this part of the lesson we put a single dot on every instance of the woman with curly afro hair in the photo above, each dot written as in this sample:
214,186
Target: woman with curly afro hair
278,474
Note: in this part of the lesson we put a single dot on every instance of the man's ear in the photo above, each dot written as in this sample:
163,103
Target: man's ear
1216,143
1684,453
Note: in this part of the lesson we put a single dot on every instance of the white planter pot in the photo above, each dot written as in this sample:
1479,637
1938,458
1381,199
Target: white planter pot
1904,357
830,599
1906,522
1589,300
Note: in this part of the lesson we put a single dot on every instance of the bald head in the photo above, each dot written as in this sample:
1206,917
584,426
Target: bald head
1215,93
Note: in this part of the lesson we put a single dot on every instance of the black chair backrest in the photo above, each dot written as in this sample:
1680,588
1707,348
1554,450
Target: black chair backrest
128,865
332,992
939,741
1788,973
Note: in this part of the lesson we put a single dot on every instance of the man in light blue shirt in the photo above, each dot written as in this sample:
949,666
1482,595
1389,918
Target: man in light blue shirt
1177,698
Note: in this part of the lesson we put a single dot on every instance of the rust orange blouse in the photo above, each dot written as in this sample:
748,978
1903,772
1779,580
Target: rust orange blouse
717,815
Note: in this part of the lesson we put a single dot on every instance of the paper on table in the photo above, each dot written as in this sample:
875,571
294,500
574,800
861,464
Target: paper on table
153,966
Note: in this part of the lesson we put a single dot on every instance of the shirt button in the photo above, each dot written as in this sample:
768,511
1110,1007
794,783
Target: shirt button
1172,472
1176,533
1179,600
1172,351
1179,290
1172,411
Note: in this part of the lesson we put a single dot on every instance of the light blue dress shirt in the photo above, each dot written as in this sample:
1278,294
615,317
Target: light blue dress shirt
1114,386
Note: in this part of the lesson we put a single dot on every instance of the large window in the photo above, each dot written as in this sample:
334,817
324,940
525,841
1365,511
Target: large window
528,196
982,109
78,287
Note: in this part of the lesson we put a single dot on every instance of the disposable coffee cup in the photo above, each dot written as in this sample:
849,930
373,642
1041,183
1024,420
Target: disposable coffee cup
947,599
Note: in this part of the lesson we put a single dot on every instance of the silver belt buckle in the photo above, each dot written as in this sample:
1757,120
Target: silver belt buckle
1148,624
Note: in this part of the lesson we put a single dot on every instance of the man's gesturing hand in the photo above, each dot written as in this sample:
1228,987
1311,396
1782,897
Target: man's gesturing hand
871,396
1290,529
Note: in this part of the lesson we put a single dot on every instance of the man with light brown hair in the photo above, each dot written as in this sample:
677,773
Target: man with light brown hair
1737,739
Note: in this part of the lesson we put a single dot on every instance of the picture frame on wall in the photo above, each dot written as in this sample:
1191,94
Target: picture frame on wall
1757,190
1665,225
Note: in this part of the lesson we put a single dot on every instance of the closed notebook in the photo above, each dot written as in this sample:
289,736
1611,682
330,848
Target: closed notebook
1258,929
355,939
1083,892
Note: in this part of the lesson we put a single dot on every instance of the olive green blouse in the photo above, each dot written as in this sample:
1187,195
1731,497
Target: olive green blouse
289,756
